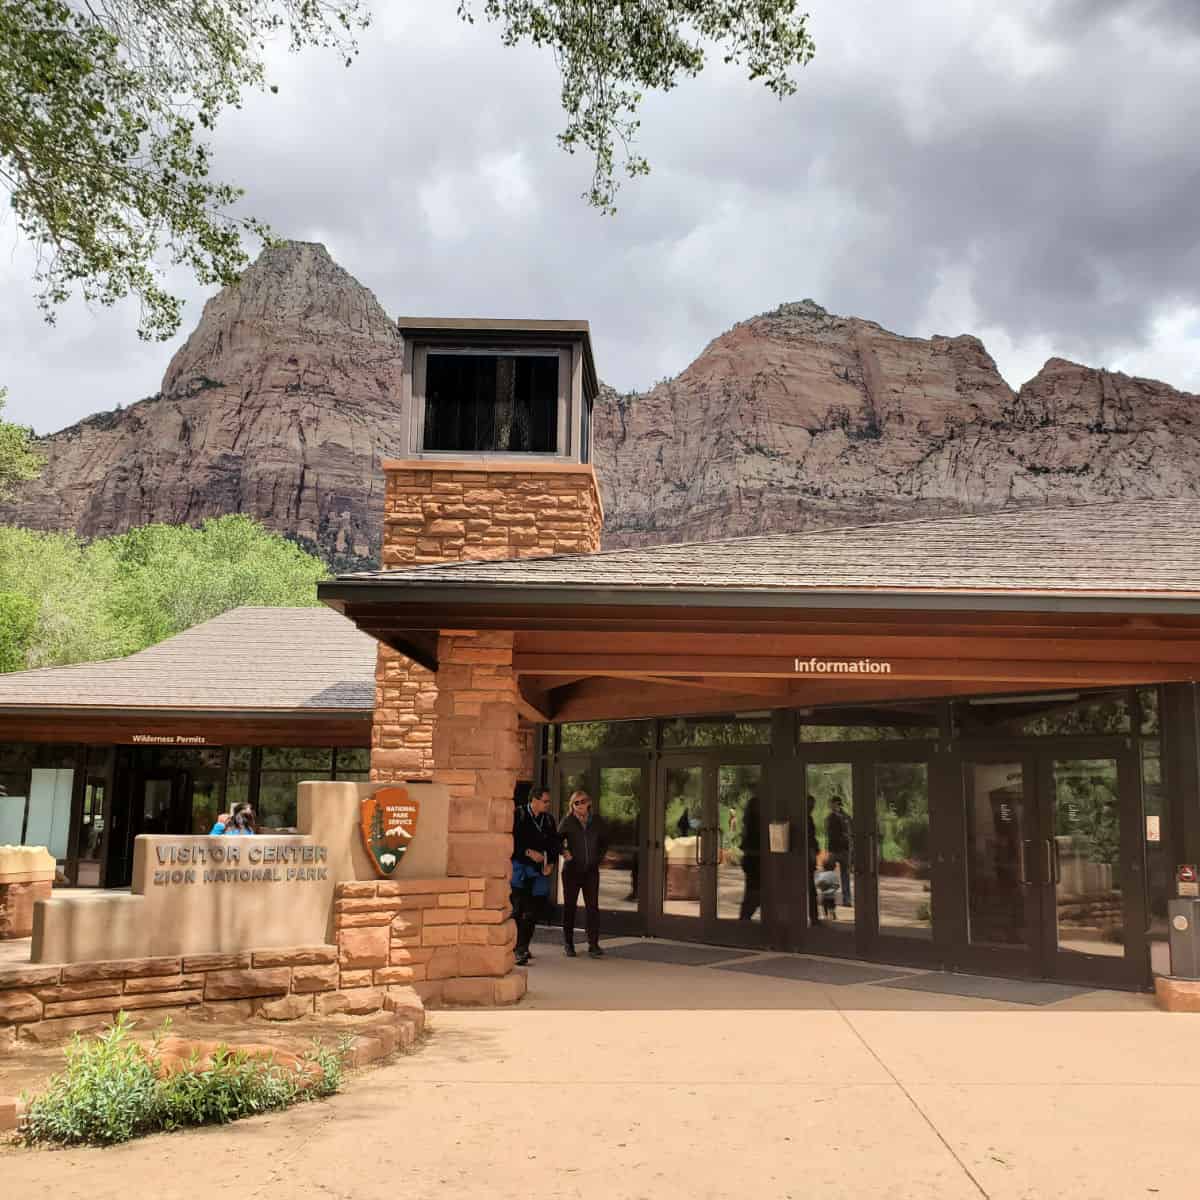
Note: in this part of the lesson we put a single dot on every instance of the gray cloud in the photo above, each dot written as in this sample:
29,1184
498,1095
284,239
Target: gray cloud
1040,159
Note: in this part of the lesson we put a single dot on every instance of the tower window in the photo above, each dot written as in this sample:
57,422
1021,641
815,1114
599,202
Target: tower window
489,402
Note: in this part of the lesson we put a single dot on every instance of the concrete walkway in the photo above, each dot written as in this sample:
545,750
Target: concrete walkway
620,1079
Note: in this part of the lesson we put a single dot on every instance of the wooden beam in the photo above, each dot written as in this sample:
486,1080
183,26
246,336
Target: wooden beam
1000,671
534,704
1058,645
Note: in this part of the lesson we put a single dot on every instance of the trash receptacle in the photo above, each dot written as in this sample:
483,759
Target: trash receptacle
1183,917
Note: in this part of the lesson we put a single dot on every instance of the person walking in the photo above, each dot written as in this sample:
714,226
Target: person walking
535,850
837,842
583,846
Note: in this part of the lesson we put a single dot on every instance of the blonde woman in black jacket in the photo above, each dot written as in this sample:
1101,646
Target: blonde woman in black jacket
583,845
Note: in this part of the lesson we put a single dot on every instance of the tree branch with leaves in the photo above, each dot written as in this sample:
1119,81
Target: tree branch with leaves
106,107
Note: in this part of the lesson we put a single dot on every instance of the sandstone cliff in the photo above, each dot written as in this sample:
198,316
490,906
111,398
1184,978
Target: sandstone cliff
799,418
285,399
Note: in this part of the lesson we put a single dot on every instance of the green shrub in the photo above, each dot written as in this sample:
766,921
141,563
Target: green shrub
110,1091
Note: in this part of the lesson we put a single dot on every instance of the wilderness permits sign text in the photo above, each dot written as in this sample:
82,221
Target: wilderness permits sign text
388,821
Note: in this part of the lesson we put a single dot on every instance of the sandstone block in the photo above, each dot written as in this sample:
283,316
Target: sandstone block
361,920
345,891
159,1000
430,991
8,1039
19,1007
475,935
1171,995
354,979
125,968
226,1010
439,935
80,991
484,960
468,991
302,956
107,1005
453,900
443,965
12,1109
407,924
362,1000
216,962
239,985
62,1027
364,947
487,916
322,978
286,1008
511,987
405,1002
364,1050
384,904
386,975
406,956
486,854
26,975
163,983
444,916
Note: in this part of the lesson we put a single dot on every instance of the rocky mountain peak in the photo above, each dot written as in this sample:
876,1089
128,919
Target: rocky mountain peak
293,294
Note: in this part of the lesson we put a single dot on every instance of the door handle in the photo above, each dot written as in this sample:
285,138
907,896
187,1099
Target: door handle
1052,875
1024,854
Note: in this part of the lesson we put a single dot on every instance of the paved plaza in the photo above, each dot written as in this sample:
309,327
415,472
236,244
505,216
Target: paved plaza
627,1078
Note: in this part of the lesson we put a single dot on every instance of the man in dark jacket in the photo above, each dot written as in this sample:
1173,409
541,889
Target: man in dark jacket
583,845
535,850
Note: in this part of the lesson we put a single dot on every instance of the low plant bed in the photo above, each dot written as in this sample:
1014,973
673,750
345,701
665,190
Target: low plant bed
115,1088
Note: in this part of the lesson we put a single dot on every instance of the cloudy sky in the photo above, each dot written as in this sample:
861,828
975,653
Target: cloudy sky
1027,171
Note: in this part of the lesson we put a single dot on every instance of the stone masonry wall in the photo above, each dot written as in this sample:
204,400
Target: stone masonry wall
450,940
45,1002
450,512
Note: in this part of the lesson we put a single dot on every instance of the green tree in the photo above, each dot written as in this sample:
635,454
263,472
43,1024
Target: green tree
121,594
53,573
18,628
167,578
18,458
105,108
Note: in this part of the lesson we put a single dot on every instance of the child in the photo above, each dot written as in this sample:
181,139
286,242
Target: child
827,883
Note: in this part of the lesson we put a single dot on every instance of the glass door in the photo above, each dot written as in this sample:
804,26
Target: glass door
1002,918
898,885
1091,868
1054,875
708,847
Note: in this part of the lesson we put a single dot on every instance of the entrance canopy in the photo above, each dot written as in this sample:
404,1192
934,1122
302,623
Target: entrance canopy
1023,600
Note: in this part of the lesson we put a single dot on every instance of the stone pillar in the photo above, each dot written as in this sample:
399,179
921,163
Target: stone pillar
451,512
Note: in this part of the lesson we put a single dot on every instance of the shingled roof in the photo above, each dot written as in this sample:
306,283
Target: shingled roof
258,659
1143,547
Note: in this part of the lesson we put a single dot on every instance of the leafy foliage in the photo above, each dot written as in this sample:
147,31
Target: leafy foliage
608,53
120,594
105,108
102,111
110,1091
18,458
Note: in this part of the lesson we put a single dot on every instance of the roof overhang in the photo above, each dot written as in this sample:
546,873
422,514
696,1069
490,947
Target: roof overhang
587,652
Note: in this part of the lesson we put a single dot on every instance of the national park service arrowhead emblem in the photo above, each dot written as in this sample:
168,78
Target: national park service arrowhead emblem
388,820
